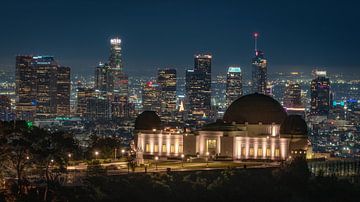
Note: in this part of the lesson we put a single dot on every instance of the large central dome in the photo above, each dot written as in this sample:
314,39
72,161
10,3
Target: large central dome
255,108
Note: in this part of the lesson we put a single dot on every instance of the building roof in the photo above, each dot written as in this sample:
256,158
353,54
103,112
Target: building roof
294,125
147,120
255,108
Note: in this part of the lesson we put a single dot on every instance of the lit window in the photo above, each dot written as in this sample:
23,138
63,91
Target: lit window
251,152
243,151
268,152
156,148
211,144
277,152
172,148
163,148
147,148
181,149
260,152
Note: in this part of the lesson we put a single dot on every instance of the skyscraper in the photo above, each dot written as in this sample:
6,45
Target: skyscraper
320,94
46,86
151,96
167,83
259,70
83,97
120,96
233,84
292,96
42,88
63,91
25,80
104,78
198,88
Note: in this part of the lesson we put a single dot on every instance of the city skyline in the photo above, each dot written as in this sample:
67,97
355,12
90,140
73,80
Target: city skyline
178,31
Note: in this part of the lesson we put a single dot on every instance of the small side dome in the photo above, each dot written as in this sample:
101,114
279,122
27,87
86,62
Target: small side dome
147,120
294,125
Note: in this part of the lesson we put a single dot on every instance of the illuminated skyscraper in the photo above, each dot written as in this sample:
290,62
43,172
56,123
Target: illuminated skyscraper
104,78
46,86
292,96
151,97
83,97
120,96
198,90
259,70
233,84
63,91
320,94
25,80
42,88
115,60
167,83
198,87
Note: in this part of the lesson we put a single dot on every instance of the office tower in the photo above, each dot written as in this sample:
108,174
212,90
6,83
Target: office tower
104,78
151,97
167,83
259,70
83,96
46,86
41,86
63,91
98,107
233,84
292,96
320,94
198,89
115,60
25,88
120,96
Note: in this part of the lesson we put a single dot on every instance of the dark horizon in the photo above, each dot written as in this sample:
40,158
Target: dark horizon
295,36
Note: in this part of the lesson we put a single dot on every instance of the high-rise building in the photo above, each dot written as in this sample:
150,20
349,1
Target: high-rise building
167,83
198,88
46,86
42,88
98,106
151,96
104,78
320,94
120,93
25,80
292,96
63,91
234,88
259,71
83,96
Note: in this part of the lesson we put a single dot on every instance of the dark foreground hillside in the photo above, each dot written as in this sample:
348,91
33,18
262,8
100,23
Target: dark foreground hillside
291,183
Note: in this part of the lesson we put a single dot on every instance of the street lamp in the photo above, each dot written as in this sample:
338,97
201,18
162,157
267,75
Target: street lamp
182,160
207,159
122,152
96,154
156,159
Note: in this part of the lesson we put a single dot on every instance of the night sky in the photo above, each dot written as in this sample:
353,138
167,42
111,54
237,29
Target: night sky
295,35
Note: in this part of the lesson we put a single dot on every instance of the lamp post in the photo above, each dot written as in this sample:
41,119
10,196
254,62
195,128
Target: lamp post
122,152
156,160
96,154
207,159
182,160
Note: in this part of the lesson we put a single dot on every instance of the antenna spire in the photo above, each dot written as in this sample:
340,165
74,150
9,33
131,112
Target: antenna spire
255,41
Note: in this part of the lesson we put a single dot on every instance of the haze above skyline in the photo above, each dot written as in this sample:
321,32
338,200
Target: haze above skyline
294,35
